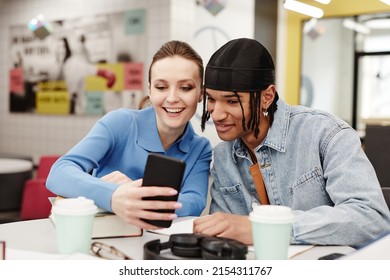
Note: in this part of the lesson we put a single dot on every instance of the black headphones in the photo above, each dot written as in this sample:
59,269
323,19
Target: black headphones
194,246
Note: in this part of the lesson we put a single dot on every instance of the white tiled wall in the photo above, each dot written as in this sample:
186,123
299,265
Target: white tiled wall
35,135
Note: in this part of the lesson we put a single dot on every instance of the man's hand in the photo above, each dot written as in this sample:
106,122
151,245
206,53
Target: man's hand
232,226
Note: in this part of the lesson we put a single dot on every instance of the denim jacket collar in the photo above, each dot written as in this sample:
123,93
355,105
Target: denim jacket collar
277,134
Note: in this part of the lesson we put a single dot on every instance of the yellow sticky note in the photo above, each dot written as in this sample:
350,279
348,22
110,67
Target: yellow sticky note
97,83
52,102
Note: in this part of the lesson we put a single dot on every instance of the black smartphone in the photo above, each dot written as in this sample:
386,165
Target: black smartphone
332,256
163,171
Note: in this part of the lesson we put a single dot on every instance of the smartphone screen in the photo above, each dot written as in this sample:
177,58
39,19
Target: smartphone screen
163,171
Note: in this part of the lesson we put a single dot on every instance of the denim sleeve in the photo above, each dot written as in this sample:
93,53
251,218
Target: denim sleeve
359,212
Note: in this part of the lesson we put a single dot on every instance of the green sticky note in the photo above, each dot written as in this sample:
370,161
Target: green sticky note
94,103
135,22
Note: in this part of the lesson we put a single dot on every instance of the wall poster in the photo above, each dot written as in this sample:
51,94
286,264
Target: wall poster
84,66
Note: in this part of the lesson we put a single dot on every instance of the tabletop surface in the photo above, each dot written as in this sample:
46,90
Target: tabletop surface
10,165
39,236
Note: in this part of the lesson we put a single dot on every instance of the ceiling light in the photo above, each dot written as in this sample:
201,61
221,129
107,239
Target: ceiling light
378,23
302,8
358,27
323,1
386,1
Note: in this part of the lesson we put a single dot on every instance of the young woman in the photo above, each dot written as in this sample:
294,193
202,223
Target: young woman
116,148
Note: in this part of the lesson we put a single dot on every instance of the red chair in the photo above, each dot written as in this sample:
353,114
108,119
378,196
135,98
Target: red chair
35,202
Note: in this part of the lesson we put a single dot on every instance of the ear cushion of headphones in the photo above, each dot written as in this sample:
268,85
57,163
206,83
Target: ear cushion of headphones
186,245
218,248
152,250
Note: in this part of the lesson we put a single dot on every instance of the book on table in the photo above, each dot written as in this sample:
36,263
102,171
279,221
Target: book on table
108,225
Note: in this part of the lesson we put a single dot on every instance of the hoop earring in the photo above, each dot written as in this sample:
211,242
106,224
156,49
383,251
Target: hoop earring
265,112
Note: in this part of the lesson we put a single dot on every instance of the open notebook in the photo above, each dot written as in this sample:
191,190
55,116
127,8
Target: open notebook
107,224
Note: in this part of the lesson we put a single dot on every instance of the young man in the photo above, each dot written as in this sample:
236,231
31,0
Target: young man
309,160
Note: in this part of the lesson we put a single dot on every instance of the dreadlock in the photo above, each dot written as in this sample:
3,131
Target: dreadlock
254,120
242,110
205,113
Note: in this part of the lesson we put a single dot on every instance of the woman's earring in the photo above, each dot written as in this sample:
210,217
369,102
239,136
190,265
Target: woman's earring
265,112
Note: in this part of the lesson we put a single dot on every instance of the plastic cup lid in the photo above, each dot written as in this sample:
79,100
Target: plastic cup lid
79,206
273,214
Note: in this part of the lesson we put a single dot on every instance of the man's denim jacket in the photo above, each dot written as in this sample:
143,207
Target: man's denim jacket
312,162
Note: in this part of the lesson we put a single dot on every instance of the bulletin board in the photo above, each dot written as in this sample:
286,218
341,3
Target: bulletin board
82,66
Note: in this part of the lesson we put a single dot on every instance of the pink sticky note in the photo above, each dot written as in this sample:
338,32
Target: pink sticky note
16,80
133,76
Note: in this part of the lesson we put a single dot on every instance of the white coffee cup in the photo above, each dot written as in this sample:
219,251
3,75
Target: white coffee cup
271,230
73,218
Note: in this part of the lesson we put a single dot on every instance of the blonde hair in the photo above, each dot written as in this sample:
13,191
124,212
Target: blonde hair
170,49
178,48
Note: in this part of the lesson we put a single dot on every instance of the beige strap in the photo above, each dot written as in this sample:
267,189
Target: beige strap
258,179
259,183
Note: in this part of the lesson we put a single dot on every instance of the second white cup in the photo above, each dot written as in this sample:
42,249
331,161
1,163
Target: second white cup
271,230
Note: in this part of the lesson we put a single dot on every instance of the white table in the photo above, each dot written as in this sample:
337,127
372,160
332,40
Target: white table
11,165
39,236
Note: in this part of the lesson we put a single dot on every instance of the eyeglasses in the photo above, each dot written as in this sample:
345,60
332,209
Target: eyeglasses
108,252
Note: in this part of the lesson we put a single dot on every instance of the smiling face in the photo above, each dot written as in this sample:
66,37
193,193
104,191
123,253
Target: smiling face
225,110
174,91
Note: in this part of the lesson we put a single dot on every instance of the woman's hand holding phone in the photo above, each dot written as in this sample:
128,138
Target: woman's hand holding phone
149,203
135,204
